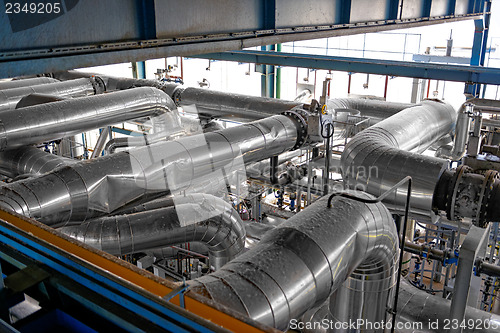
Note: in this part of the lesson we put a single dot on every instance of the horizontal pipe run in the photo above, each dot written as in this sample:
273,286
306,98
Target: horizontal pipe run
30,161
100,186
299,264
73,88
26,82
50,121
197,217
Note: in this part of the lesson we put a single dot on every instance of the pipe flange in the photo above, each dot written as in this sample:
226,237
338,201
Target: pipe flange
301,127
98,84
486,191
177,96
453,190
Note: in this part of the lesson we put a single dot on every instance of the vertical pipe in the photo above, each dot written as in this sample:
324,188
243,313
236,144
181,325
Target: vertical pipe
386,84
349,83
326,175
278,75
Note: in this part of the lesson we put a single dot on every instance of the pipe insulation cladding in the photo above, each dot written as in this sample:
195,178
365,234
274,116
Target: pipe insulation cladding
380,156
26,82
193,218
299,264
99,186
49,121
73,88
30,161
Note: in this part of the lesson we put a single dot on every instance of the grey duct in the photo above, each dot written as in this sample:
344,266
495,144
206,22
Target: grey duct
74,88
461,133
416,305
35,99
299,264
380,156
26,82
417,309
375,109
30,161
97,187
197,217
209,103
49,121
189,126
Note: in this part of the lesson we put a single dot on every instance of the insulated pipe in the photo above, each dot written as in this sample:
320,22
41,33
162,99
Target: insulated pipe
35,99
210,103
461,133
97,187
189,126
49,121
26,82
416,305
419,311
197,217
74,88
380,156
299,264
30,161
375,109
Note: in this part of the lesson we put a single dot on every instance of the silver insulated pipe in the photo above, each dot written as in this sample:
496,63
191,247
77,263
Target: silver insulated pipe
30,161
298,265
73,88
418,306
49,121
98,187
194,218
380,156
26,82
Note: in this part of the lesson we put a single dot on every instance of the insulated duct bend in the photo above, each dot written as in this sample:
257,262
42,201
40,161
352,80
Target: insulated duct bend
299,264
100,186
380,156
194,218
49,121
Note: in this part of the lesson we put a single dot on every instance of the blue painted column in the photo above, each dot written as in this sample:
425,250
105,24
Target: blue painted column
267,79
139,70
479,47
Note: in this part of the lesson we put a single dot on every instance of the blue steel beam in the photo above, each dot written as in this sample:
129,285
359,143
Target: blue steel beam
470,74
84,33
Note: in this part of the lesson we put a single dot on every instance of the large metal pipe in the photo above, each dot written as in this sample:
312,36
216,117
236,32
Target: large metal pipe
210,103
375,109
49,121
194,218
380,156
418,311
97,187
74,88
461,134
299,264
30,161
418,306
26,82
